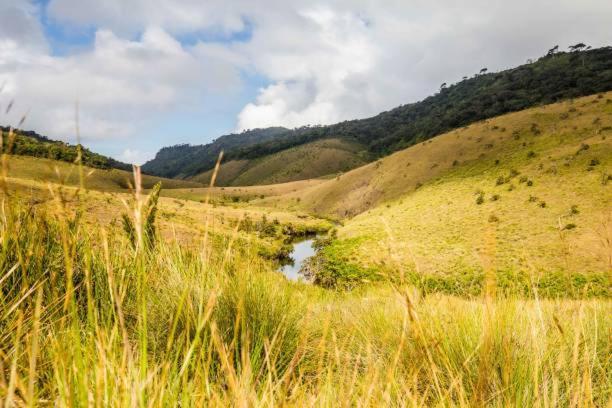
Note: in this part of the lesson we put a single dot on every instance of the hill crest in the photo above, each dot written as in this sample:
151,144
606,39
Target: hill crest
550,79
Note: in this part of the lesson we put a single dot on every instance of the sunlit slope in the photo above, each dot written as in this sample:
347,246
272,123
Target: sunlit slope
556,129
251,194
49,186
45,170
530,197
311,160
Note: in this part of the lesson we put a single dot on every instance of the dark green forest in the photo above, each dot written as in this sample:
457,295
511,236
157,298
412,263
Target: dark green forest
186,160
554,77
28,143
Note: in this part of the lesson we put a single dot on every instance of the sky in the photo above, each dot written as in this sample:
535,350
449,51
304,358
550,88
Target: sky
152,73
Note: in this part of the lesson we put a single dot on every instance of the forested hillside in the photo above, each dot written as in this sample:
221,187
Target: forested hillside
28,143
554,77
186,160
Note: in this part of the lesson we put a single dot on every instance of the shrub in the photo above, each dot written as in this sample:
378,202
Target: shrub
574,210
493,218
495,197
529,183
583,147
542,204
532,199
480,199
594,162
500,180
569,226
531,154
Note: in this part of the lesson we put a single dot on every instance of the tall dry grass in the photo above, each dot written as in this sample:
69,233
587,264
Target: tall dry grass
88,319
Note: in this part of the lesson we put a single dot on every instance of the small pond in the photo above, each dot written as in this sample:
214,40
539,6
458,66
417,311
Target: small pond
302,250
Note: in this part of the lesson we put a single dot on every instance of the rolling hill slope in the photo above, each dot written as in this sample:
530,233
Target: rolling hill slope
55,171
29,143
311,160
44,185
550,79
182,161
479,146
526,196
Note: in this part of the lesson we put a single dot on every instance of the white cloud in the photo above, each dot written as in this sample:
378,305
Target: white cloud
135,156
325,61
130,16
20,26
357,58
119,84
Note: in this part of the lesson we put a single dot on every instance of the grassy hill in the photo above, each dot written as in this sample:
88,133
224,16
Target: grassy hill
46,170
241,194
551,78
183,215
186,161
200,317
526,195
311,160
29,143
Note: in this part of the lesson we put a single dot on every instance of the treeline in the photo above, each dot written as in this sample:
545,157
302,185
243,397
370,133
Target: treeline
185,160
28,143
555,76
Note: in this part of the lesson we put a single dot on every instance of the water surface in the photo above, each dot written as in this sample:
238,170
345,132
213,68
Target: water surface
302,250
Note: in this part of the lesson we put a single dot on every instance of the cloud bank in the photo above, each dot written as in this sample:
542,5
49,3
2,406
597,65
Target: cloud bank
319,62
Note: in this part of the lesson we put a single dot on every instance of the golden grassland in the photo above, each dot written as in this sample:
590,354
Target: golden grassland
242,193
527,193
58,172
311,160
90,319
562,128
196,316
184,220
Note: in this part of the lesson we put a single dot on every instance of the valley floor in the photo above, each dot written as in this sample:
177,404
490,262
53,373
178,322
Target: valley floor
90,319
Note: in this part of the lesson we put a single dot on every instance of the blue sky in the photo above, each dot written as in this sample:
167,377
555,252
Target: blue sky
195,125
153,73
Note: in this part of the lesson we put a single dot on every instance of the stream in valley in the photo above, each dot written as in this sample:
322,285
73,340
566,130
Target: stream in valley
302,250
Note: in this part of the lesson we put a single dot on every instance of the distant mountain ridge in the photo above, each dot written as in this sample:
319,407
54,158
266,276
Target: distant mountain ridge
185,160
30,143
554,77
